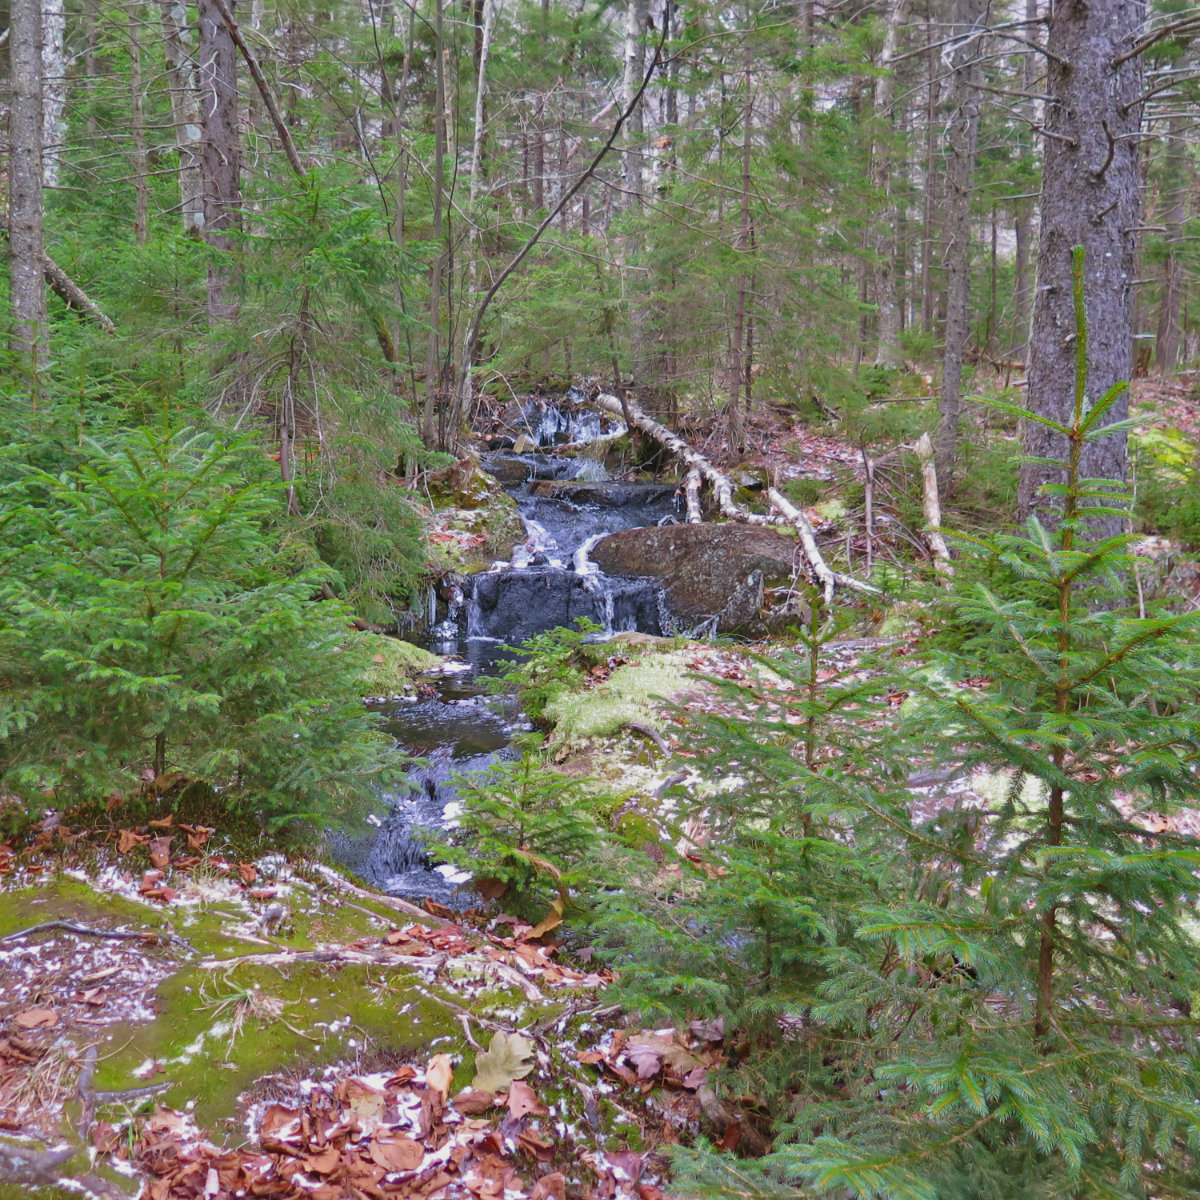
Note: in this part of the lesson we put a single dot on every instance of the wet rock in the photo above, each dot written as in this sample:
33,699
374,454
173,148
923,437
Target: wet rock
705,570
515,605
607,495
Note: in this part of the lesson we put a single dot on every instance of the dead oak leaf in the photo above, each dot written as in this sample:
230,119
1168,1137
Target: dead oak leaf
160,851
36,1018
439,1074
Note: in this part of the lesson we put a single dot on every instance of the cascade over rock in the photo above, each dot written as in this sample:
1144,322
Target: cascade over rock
704,569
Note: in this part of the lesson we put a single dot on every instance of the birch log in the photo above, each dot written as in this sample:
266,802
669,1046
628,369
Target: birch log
722,488
933,505
692,493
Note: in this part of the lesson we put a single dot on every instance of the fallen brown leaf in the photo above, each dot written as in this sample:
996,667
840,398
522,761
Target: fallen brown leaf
523,1101
439,1074
36,1018
397,1153
160,851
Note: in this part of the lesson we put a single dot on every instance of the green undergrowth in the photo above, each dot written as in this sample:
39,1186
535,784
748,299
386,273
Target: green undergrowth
633,692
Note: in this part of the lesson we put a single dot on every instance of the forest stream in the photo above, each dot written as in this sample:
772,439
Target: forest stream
567,502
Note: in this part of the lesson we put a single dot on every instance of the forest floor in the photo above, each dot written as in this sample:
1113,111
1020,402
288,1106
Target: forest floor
178,1021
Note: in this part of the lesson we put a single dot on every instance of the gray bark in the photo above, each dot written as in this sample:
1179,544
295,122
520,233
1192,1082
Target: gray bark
636,17
184,84
54,88
141,186
1175,192
1023,217
887,293
27,286
221,158
1089,198
960,168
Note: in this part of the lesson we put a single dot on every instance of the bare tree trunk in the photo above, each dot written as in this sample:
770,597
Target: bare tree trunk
964,132
887,297
222,161
636,21
184,83
27,284
1175,190
141,185
1089,199
930,206
54,88
1024,211
463,392
429,431
735,421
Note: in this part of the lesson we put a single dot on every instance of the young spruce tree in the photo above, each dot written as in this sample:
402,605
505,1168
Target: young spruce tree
148,631
1004,1009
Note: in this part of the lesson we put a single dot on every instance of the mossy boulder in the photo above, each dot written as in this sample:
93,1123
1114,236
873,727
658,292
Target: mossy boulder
475,521
394,664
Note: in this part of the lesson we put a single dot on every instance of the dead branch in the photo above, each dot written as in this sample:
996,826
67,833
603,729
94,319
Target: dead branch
341,955
933,507
722,488
66,289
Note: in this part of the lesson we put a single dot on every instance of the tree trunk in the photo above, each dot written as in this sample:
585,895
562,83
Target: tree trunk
960,168
141,184
636,17
184,84
1089,199
1175,190
429,430
887,294
463,391
222,160
932,63
1024,210
737,366
27,284
54,88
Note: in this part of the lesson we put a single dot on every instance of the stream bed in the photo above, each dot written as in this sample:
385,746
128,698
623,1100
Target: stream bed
567,503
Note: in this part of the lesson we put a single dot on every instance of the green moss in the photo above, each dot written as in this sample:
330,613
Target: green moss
633,692
393,664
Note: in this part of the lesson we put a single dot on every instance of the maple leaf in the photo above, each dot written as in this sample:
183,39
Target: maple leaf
507,1058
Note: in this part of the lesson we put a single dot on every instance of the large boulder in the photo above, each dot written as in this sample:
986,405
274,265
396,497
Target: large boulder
706,570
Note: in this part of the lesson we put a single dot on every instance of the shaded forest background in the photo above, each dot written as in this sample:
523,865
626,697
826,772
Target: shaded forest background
349,227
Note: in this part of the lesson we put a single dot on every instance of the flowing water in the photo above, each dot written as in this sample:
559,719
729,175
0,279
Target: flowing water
567,502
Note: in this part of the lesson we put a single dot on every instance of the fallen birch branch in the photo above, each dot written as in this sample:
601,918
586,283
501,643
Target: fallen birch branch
722,487
933,505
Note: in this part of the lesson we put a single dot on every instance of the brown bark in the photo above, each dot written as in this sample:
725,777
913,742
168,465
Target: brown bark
960,168
221,158
26,280
1089,199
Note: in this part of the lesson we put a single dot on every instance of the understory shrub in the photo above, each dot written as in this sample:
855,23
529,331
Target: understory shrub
149,636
